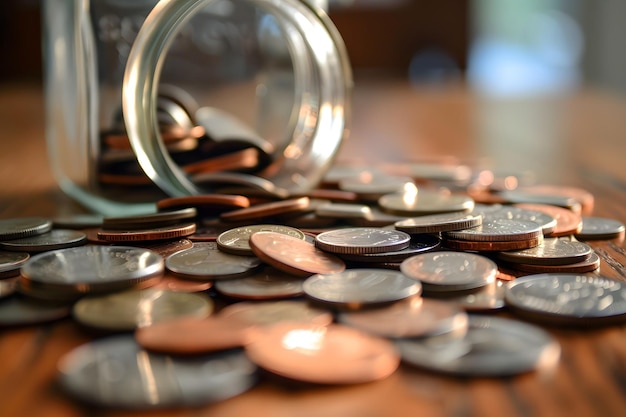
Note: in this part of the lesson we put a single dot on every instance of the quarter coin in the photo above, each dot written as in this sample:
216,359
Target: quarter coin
552,251
492,347
131,309
356,240
333,354
435,223
266,284
160,233
450,271
425,202
498,230
52,240
599,228
355,288
236,240
204,261
294,255
22,227
568,298
113,372
547,222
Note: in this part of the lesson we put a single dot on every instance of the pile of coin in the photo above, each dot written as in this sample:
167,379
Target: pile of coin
340,286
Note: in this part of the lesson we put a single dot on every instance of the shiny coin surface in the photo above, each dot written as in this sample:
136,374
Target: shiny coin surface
10,261
149,221
567,221
193,335
116,372
159,233
18,310
450,271
236,240
204,261
505,212
266,284
131,309
552,251
362,240
418,244
498,230
568,298
599,228
294,255
591,263
492,347
413,317
264,210
355,288
24,226
88,269
333,354
265,313
436,223
425,202
52,240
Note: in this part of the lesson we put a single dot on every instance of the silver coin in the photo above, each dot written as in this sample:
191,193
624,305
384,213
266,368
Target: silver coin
268,283
362,240
236,240
344,211
204,261
599,228
116,372
377,218
18,310
52,240
435,223
547,222
487,299
425,202
271,312
568,298
78,221
552,251
492,347
88,269
450,271
131,309
498,230
418,244
590,264
354,288
412,317
24,226
10,261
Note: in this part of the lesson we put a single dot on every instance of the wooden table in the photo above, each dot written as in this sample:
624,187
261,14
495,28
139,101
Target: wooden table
575,140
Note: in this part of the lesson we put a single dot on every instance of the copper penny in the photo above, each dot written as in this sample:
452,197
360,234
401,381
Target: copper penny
294,255
567,222
206,204
193,335
274,208
170,232
334,354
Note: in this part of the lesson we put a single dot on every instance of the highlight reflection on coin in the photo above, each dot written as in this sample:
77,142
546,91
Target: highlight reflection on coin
362,240
332,354
294,255
568,298
265,284
112,372
131,309
354,288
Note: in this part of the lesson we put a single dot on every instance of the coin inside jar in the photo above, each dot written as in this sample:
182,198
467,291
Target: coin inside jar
333,354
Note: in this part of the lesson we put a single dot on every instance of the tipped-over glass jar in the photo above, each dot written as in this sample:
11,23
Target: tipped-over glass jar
147,99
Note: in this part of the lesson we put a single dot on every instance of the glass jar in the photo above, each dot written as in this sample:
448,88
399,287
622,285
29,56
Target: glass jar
147,99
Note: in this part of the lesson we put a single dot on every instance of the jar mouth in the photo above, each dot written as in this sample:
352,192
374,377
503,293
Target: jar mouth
317,123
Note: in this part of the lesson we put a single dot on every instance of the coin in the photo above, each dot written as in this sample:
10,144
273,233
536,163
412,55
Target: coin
265,210
450,271
372,187
116,372
22,227
498,230
435,223
424,202
599,228
552,251
412,317
487,299
344,210
355,288
264,313
266,284
172,283
52,240
333,354
161,233
78,221
547,222
492,347
165,247
592,263
236,240
567,221
207,205
131,309
468,245
418,244
572,299
293,255
361,240
149,221
193,335
580,195
88,269
18,310
10,261
204,261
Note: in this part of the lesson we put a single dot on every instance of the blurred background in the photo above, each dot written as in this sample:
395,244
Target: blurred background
499,47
